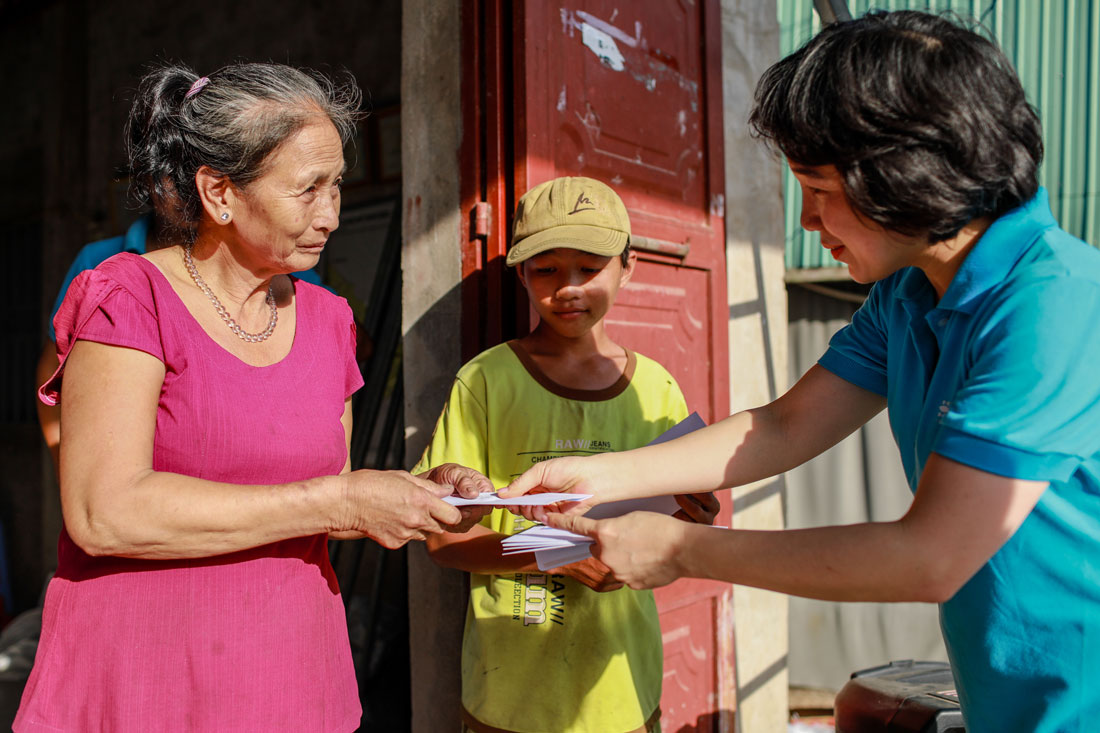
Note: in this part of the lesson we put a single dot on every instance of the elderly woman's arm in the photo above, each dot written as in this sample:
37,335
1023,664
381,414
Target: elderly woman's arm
465,481
114,503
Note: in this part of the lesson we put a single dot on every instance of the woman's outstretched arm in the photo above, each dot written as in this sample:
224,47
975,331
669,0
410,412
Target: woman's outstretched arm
114,503
959,518
815,414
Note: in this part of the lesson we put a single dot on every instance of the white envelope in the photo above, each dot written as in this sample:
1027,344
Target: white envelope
490,498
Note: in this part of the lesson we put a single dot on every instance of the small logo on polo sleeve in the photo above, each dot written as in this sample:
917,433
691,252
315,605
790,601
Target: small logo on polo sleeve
945,407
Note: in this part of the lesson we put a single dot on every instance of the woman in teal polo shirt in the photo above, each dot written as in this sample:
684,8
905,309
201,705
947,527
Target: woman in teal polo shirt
917,155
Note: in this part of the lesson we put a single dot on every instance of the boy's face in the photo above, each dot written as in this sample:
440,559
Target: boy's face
572,290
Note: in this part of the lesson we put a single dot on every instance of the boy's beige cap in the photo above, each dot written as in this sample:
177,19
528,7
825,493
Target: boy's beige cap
579,213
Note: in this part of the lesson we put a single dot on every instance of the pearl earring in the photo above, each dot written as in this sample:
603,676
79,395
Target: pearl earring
225,216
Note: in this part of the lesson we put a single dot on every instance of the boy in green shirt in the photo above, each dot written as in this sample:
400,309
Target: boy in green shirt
546,651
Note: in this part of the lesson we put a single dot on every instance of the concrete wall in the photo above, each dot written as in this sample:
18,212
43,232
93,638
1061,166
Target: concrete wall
758,342
430,137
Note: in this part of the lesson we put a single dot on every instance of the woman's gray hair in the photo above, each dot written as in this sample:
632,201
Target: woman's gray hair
231,123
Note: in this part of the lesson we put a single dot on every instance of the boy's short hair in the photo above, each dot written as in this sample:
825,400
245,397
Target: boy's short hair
574,212
926,121
624,256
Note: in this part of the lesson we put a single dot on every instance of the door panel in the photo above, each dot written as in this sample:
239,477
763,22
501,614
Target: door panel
615,80
663,313
689,675
628,93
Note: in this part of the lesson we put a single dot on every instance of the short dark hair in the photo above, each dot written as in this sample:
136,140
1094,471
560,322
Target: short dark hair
624,256
925,120
232,124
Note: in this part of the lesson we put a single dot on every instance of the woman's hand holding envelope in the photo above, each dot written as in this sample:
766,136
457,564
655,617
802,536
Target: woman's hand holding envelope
570,474
640,548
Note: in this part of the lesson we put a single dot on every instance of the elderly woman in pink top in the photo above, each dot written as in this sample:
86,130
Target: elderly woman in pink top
205,430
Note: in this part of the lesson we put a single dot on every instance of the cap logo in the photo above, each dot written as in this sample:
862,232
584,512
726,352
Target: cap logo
582,201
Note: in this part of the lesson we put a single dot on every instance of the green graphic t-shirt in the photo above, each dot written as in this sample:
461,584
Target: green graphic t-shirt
544,652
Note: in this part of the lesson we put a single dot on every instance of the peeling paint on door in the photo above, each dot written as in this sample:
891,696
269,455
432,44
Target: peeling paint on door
603,46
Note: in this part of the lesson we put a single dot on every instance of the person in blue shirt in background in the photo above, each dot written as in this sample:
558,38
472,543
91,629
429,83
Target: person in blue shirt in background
917,155
142,236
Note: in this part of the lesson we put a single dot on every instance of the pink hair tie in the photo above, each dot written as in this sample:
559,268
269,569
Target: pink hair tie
197,87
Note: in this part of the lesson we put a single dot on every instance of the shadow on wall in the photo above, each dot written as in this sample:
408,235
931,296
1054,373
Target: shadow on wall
436,596
718,720
858,480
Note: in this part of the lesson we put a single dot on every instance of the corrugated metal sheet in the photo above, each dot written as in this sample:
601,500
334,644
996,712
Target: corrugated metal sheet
1055,46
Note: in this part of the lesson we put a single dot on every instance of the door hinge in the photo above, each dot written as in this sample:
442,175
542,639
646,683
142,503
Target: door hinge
482,215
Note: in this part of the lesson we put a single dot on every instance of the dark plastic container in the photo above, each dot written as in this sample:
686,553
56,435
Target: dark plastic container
905,696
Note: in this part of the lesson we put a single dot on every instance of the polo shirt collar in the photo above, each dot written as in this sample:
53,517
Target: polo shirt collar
997,252
134,241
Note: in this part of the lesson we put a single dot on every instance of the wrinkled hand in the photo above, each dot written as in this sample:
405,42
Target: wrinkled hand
466,482
393,507
640,548
592,573
698,508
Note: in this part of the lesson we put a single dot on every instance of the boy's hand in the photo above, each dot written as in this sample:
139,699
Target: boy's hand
592,573
699,508
467,483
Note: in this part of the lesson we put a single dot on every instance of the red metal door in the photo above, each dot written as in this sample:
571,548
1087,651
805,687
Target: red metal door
629,93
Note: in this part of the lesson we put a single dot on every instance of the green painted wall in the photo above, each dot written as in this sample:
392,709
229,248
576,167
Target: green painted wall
1055,46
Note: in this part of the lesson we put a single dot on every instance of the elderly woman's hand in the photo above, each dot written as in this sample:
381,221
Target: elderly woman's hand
467,483
393,507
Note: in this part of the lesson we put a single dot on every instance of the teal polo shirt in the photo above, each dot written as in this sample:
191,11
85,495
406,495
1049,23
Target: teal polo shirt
92,254
1003,374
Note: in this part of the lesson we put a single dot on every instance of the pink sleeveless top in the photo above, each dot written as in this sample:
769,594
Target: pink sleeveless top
251,641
